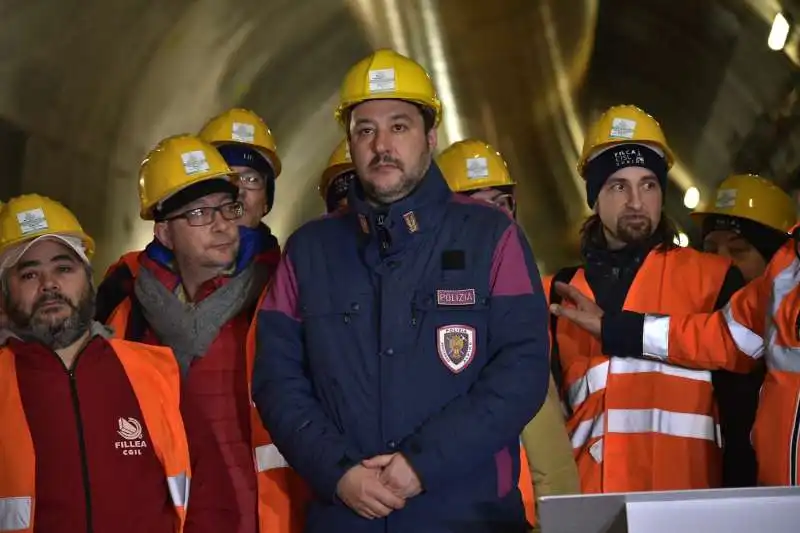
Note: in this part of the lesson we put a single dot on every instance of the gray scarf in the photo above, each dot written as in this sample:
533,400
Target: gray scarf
190,328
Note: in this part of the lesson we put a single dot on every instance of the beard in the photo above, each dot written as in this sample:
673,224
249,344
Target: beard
55,333
634,228
409,178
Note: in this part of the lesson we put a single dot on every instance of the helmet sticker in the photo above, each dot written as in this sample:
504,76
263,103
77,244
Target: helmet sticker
622,128
726,198
477,168
32,221
194,162
243,132
381,80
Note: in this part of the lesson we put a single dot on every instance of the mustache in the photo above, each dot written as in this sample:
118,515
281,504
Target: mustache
637,216
385,159
51,297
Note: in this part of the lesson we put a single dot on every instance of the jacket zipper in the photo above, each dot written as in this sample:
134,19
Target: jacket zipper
73,386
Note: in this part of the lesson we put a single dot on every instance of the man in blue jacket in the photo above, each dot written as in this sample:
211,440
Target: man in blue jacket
403,345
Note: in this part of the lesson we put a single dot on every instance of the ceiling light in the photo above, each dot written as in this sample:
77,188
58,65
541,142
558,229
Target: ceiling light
779,33
691,198
682,240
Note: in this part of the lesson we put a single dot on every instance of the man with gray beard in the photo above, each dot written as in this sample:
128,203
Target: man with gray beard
94,428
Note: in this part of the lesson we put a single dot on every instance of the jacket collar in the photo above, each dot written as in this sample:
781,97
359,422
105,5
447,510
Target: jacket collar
631,257
390,229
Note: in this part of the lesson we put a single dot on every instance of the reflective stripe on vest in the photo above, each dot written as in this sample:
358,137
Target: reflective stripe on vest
655,336
769,302
612,398
268,458
782,358
646,421
595,379
154,377
776,434
779,358
283,495
16,513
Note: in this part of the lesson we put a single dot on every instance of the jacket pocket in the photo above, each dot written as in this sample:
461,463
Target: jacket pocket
330,337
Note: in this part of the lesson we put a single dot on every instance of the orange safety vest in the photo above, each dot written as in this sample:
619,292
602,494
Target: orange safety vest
761,320
154,376
526,487
130,259
642,425
282,494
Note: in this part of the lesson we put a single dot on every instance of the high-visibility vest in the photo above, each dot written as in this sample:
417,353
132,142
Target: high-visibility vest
526,487
642,425
282,495
155,379
761,320
129,259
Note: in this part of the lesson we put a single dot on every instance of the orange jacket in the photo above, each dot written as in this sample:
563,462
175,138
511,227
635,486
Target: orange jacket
282,495
155,380
641,425
761,320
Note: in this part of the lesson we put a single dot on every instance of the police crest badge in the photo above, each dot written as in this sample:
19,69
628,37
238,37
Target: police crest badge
456,346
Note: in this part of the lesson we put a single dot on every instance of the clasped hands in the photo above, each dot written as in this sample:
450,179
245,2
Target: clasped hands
379,485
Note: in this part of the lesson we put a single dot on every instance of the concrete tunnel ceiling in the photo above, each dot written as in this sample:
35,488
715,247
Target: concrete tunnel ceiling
91,86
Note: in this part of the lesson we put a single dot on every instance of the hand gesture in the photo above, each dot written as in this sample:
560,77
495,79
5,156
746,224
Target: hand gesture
580,309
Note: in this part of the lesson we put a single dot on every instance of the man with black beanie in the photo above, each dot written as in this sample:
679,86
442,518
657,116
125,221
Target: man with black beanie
636,425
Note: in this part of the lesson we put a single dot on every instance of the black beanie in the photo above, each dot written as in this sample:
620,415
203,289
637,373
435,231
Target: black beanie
763,238
194,192
599,169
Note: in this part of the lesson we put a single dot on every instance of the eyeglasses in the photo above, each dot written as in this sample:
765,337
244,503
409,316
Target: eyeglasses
506,201
252,180
502,199
203,216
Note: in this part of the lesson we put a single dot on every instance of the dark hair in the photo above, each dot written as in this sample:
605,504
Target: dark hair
592,235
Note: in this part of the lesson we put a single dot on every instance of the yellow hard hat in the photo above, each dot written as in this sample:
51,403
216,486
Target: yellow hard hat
753,198
338,163
624,124
30,216
385,74
174,164
471,164
242,126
